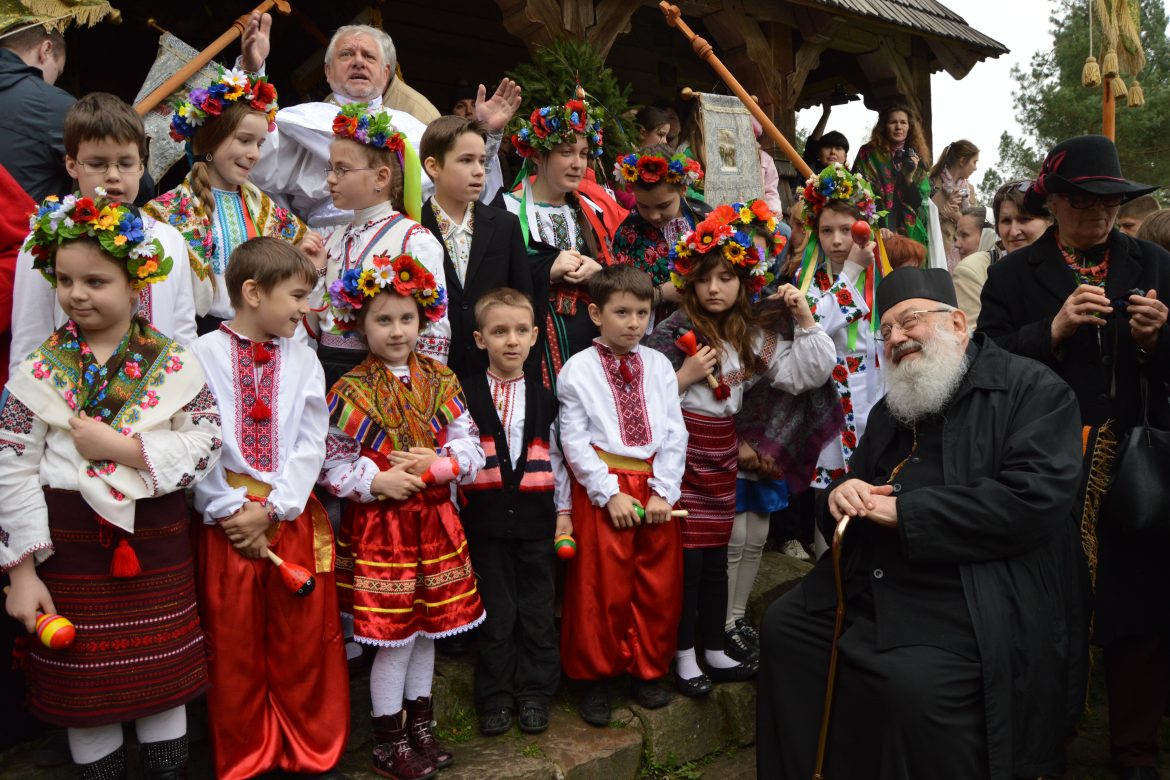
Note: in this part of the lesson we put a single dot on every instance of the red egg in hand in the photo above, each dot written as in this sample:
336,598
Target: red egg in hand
861,232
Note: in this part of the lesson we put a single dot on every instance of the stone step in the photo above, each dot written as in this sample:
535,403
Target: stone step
638,743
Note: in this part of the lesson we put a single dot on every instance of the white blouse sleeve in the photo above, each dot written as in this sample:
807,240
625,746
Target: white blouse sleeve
33,304
838,306
346,472
299,472
24,518
435,339
576,443
802,364
463,445
670,459
185,454
562,485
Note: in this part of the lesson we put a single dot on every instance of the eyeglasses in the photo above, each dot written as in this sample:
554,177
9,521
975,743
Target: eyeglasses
101,166
1087,200
339,170
911,320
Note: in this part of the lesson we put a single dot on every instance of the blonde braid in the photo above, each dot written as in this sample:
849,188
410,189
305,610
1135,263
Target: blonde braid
201,186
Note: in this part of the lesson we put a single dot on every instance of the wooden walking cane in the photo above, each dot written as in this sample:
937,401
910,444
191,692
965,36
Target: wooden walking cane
838,625
168,87
706,52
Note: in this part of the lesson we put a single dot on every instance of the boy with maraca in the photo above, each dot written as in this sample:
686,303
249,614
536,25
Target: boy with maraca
510,517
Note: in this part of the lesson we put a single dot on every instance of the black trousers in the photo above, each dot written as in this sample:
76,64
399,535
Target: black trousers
704,598
519,657
901,714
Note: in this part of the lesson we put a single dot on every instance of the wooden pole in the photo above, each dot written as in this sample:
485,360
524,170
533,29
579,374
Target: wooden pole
219,44
838,627
1108,110
706,52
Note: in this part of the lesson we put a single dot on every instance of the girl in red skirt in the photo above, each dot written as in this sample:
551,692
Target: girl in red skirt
101,428
400,435
720,269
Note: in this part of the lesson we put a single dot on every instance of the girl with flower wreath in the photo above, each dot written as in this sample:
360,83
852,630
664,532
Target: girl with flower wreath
375,173
658,179
569,233
216,207
101,429
400,434
837,274
720,268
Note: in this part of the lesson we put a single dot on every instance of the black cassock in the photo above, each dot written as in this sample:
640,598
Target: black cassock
963,652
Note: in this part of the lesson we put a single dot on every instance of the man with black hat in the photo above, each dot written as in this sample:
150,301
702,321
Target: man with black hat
1087,300
958,569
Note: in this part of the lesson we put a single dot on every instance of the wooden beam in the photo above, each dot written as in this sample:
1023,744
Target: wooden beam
536,22
747,53
611,19
956,60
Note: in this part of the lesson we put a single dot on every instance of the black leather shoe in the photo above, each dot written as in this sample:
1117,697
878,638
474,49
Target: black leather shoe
695,687
533,717
595,709
649,694
738,673
738,647
495,721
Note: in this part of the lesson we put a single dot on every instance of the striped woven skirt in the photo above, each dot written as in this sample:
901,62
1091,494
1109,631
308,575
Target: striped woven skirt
708,484
139,648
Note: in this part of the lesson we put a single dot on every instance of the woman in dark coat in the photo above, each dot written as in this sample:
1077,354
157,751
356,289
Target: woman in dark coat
1086,300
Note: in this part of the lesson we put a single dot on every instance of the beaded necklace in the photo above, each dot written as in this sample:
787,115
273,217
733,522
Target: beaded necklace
1075,259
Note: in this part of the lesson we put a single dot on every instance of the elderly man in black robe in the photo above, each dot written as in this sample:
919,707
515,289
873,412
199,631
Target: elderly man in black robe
963,634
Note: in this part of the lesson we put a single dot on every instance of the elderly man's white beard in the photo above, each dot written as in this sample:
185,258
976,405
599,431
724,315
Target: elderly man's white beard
924,385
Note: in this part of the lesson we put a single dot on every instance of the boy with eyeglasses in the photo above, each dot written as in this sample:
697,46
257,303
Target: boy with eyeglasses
105,146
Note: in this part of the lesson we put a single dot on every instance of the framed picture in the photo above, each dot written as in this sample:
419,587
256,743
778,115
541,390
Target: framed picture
731,157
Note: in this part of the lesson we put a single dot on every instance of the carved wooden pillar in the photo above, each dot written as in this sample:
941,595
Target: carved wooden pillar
539,22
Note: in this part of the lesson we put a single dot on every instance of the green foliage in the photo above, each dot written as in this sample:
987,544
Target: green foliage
1052,105
552,78
460,730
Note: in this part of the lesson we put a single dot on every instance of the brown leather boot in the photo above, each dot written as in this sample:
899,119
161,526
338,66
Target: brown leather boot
421,712
393,755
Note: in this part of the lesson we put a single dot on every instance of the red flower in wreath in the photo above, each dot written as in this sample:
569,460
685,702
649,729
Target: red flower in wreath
724,214
576,107
761,210
844,297
345,125
405,274
84,210
840,374
539,125
263,93
523,148
212,106
652,169
708,234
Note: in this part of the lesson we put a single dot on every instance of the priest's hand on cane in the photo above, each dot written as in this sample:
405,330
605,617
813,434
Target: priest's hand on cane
857,498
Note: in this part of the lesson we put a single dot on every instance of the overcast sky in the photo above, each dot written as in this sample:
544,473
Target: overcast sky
979,107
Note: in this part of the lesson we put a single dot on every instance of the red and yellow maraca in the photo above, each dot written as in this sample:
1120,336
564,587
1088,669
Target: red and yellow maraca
54,631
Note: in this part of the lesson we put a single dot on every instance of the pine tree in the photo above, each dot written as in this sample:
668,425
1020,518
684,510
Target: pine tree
552,78
1052,105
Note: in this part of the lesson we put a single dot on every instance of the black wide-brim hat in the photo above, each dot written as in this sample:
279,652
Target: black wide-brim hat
1086,163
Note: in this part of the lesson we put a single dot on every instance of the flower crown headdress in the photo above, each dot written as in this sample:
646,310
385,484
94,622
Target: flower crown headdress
403,274
356,122
115,226
728,230
232,86
836,182
651,169
550,126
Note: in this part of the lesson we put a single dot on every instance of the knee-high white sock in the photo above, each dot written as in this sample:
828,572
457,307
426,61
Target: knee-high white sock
95,743
162,726
739,586
739,529
388,678
421,671
686,666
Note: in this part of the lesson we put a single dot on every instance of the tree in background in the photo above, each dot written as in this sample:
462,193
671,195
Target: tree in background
552,77
1052,105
